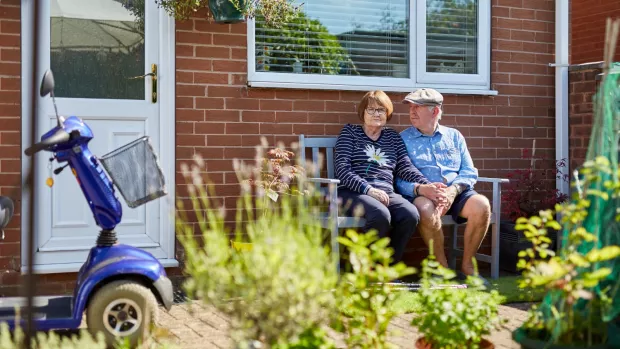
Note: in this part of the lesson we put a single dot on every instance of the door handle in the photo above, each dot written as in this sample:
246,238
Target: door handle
141,76
152,74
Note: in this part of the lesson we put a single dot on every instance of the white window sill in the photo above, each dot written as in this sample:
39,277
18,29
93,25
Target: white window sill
453,89
75,267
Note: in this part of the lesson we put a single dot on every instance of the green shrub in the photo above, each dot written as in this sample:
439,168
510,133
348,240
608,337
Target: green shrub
577,280
279,290
364,295
450,317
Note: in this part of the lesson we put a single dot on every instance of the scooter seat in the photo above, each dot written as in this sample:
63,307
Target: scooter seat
6,211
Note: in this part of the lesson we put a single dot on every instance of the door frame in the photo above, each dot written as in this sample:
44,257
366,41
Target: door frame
166,95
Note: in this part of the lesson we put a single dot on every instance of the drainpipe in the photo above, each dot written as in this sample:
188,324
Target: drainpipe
561,89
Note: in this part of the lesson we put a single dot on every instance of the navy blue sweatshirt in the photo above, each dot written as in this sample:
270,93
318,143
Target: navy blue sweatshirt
362,163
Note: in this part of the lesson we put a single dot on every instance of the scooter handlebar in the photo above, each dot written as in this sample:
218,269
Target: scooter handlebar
58,137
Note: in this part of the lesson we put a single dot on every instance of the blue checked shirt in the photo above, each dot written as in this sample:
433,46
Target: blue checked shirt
442,157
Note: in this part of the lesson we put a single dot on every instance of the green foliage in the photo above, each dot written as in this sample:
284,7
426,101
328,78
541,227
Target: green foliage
182,9
573,279
364,293
452,317
49,340
82,340
312,338
278,291
304,40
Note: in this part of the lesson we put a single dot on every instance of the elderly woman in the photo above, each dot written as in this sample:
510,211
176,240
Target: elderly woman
368,157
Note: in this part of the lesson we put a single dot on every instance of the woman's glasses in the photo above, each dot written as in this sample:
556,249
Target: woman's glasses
372,111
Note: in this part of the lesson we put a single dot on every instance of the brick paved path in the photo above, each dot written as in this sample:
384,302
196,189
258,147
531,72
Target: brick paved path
198,326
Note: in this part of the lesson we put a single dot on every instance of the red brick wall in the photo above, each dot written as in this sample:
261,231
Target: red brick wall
588,22
219,117
582,87
10,138
10,158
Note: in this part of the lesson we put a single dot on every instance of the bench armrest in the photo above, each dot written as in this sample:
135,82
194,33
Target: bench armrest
332,191
332,197
323,180
493,180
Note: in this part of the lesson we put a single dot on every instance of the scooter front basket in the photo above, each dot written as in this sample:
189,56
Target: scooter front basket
135,171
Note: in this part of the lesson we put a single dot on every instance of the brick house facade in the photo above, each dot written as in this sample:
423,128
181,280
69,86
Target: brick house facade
221,118
583,86
588,20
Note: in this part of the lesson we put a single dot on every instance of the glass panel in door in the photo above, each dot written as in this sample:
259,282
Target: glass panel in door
96,47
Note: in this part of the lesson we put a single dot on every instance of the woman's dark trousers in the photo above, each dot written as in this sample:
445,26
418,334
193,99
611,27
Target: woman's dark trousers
398,220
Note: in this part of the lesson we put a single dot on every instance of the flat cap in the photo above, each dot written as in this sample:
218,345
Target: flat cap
424,96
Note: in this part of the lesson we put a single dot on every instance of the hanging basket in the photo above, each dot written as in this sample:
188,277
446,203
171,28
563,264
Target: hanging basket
225,12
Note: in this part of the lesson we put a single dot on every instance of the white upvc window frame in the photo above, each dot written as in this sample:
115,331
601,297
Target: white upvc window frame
478,84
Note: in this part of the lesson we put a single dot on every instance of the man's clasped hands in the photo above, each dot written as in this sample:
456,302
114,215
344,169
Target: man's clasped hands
439,193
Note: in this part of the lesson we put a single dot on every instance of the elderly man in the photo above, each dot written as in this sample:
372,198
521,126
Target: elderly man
441,154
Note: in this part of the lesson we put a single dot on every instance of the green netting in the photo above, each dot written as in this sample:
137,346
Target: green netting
601,220
602,214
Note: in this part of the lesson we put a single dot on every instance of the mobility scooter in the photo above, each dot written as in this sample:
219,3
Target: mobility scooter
118,286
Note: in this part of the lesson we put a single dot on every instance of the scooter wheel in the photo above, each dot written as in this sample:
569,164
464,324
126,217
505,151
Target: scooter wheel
123,310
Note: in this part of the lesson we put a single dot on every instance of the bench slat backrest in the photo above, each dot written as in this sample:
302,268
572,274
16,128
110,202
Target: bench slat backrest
326,144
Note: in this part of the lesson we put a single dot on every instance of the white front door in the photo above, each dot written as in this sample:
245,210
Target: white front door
96,49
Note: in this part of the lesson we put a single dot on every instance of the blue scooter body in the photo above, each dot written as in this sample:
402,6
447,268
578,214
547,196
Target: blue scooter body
93,181
104,263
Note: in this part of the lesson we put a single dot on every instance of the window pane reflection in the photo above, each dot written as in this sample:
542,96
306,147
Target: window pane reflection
346,37
452,36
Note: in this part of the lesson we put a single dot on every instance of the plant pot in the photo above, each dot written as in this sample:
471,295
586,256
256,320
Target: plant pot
421,343
225,12
520,335
513,241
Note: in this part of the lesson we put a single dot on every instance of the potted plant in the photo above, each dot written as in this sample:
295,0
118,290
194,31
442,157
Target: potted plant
453,317
276,293
227,11
272,12
528,193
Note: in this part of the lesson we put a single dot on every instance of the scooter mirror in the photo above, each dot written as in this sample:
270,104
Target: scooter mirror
6,211
47,84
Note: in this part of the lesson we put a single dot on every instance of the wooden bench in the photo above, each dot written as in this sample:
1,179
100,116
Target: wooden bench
333,221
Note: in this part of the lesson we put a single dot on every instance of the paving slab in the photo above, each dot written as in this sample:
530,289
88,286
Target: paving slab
199,326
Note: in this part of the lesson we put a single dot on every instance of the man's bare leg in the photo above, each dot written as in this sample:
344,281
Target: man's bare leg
430,227
477,210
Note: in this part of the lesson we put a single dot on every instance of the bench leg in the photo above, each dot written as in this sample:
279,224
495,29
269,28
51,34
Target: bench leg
335,247
452,260
333,213
496,212
495,250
